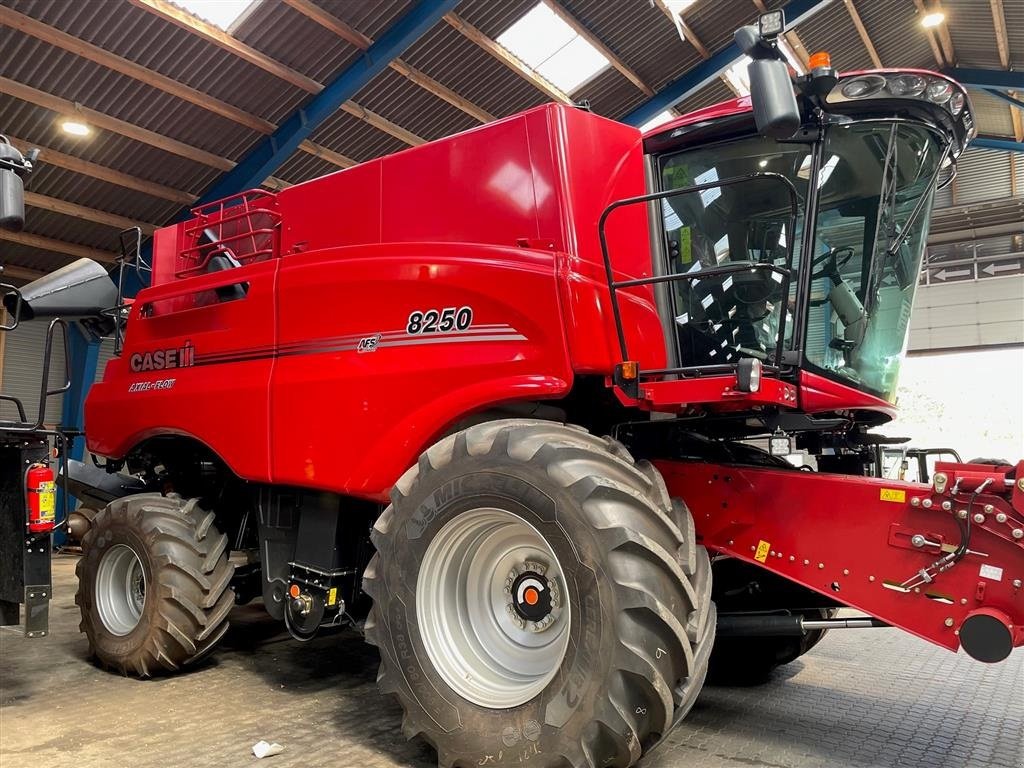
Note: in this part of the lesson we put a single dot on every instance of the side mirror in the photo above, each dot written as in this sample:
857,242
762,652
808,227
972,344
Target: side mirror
771,93
776,113
13,166
12,200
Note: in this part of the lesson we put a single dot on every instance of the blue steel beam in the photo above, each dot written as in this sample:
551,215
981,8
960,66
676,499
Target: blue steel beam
272,151
1008,145
84,350
708,70
1006,97
995,79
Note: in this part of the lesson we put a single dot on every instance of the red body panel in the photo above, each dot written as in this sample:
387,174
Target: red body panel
501,219
847,537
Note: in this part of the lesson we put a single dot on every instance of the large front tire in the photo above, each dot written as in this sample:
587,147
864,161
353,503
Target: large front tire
154,584
626,622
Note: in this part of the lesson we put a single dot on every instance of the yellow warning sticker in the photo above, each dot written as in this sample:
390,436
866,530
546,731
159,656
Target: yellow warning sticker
892,494
332,596
763,548
47,500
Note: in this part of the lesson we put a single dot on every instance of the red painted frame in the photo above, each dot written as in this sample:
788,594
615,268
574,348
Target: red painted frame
847,537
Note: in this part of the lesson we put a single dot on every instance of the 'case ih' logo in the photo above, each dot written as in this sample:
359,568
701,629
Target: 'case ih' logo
162,359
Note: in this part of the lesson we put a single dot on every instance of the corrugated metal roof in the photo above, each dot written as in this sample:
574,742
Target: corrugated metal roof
610,94
129,156
973,33
55,182
714,92
644,38
494,18
982,174
59,73
355,138
126,30
372,19
1014,13
715,22
896,32
832,30
448,57
303,167
406,104
639,33
273,28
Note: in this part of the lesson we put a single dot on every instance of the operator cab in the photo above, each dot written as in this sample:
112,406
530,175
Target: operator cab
792,223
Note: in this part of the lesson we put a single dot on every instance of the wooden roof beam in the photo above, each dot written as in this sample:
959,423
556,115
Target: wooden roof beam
14,272
146,76
219,37
361,41
104,58
381,123
443,92
1002,39
112,124
577,26
863,32
58,246
496,50
684,29
1003,44
1018,120
182,18
82,212
52,157
932,37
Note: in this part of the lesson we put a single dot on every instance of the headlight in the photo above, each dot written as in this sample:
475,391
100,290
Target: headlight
868,85
939,91
956,103
907,85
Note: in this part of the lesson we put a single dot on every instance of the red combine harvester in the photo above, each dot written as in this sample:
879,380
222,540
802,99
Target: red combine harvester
453,327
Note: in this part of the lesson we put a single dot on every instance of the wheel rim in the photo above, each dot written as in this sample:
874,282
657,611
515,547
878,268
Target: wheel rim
120,590
492,608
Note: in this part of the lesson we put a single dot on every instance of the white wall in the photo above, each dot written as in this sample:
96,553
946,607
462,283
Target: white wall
971,401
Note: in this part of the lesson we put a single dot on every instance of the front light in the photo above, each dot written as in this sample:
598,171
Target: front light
939,91
956,104
748,374
907,85
862,87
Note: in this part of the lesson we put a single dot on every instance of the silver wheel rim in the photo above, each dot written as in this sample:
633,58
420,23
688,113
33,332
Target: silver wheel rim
120,590
481,646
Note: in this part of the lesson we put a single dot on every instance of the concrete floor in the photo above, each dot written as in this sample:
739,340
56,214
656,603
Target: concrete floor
861,698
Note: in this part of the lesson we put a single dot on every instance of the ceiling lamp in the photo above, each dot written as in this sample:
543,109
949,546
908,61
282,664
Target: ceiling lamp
75,128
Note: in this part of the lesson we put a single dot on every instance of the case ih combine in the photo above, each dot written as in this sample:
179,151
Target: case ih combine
452,331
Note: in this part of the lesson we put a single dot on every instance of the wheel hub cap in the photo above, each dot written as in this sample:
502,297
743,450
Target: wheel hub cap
490,606
120,590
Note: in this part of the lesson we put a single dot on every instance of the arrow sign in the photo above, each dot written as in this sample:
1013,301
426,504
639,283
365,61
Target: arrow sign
952,274
996,269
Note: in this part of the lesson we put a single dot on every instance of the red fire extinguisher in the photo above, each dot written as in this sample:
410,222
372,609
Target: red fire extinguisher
42,495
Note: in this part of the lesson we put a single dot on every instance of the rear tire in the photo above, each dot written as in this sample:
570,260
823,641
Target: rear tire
153,584
627,635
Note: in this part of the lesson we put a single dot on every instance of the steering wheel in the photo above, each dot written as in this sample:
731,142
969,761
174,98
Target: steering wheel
834,260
